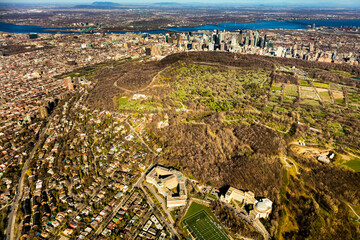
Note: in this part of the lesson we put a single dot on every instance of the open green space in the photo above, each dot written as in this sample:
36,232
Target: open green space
325,96
339,101
304,83
353,164
346,74
202,227
218,88
195,208
291,90
321,85
137,105
308,93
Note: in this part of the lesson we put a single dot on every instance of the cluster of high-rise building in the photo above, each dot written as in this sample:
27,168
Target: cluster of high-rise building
217,40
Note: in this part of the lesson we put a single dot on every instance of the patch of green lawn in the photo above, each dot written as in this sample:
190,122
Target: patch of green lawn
353,164
321,85
138,105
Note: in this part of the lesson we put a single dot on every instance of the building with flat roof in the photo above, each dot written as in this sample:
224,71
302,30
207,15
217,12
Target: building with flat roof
245,197
170,183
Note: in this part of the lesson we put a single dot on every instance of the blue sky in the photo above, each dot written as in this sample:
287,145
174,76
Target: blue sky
315,3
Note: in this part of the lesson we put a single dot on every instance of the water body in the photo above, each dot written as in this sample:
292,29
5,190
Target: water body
293,24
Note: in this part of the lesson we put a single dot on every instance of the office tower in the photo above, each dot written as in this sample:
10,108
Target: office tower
222,37
211,47
222,46
256,39
247,40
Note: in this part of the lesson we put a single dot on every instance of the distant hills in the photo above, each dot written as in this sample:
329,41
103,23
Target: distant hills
105,4
99,5
167,3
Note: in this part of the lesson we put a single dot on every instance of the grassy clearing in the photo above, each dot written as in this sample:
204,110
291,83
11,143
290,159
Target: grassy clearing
307,92
304,83
291,90
321,85
137,105
339,101
346,74
324,95
353,164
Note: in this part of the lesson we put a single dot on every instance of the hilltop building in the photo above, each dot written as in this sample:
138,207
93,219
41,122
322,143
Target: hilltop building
262,208
170,183
245,197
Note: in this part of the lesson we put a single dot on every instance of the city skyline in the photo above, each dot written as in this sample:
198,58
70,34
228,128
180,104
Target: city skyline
291,3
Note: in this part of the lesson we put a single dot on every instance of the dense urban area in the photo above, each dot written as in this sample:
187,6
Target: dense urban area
207,135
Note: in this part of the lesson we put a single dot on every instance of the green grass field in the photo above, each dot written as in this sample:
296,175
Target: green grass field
325,96
291,90
304,83
203,227
307,92
353,164
321,85
194,208
125,103
339,101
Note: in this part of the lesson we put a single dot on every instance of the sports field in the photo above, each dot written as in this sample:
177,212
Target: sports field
202,227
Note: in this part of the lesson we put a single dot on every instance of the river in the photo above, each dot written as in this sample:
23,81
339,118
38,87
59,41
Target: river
284,24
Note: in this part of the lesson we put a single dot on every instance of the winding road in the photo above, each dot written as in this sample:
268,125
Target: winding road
353,211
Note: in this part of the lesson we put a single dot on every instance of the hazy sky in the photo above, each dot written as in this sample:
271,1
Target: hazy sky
318,3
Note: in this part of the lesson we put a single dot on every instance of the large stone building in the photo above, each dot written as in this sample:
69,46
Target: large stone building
262,208
170,183
245,197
